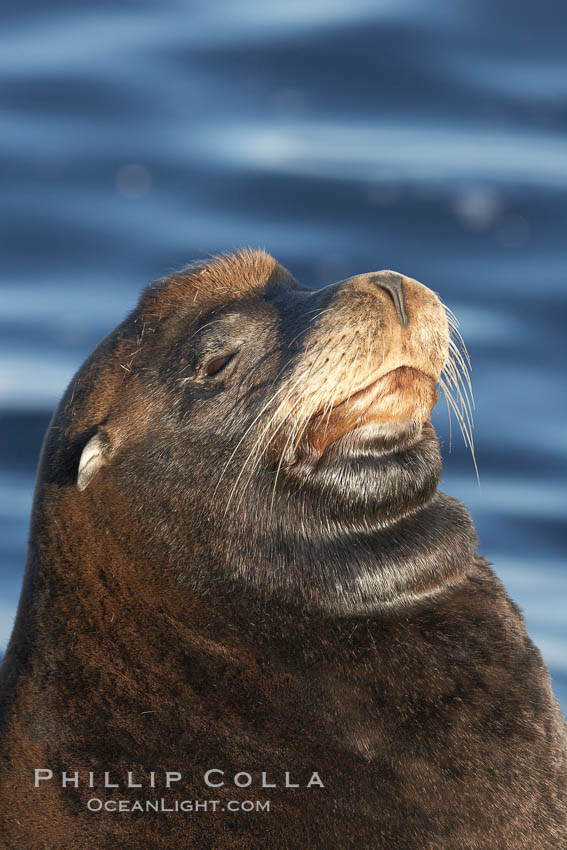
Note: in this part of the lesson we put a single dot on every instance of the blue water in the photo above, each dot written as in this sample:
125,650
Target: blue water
343,136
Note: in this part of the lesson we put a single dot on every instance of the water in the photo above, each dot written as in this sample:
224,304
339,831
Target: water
343,136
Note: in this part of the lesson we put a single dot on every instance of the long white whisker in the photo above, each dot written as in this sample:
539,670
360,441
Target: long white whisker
247,431
467,435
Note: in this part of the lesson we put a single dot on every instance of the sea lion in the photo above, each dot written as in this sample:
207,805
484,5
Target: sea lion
244,588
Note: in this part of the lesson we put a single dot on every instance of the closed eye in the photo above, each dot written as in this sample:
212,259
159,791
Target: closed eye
217,364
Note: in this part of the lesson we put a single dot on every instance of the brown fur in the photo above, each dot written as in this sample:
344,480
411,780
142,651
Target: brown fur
324,611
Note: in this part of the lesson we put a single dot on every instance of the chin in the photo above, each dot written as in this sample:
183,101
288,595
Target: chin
371,473
380,438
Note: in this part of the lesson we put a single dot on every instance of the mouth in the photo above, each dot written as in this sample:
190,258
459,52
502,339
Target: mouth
372,390
398,401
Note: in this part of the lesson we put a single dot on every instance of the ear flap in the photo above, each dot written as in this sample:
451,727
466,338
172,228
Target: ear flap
94,455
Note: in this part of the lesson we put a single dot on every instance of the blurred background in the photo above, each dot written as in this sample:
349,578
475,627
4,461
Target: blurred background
343,136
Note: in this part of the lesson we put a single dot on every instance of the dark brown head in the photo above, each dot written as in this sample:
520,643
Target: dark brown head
243,430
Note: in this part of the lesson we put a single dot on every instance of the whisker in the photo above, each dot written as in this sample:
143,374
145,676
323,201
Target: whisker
467,435
291,438
247,431
456,334
453,377
258,458
290,387
452,381
308,328
202,328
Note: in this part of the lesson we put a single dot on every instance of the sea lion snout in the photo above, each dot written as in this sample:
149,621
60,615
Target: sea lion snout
375,347
408,318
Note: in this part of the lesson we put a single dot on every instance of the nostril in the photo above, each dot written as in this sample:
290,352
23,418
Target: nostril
392,283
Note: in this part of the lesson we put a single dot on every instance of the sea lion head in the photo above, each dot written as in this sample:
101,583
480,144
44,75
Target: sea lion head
239,429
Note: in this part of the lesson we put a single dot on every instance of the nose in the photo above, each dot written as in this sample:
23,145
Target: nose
392,283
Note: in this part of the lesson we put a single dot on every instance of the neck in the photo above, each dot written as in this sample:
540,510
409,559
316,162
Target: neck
90,572
353,535
111,623
370,566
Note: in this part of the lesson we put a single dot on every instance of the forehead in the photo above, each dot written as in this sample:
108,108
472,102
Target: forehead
253,319
210,285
